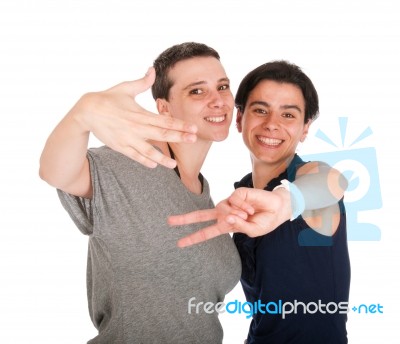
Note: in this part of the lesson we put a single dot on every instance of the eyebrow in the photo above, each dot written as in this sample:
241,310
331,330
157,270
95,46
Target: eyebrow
266,104
202,82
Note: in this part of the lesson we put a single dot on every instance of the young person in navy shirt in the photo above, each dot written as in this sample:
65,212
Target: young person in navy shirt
292,242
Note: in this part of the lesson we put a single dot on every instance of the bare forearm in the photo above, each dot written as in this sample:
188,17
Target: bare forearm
63,159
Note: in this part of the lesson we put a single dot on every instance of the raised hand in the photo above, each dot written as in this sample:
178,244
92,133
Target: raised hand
254,212
116,119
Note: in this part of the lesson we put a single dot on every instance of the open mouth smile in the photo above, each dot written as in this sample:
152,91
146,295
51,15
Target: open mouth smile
215,119
269,141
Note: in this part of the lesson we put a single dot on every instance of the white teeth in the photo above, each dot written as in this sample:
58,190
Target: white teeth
268,141
215,119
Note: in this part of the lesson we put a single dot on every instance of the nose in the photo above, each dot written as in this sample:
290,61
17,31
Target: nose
271,122
216,100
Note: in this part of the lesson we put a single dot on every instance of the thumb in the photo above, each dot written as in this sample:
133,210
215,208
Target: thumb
150,75
240,199
143,84
140,85
135,87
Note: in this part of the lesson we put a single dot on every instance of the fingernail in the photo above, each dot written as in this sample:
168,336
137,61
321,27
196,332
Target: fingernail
243,215
171,163
152,164
148,70
192,128
250,211
190,137
181,244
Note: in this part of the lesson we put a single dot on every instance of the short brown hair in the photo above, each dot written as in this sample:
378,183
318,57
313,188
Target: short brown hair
168,58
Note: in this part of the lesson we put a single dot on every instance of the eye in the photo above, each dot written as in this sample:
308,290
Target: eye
261,112
196,91
223,87
288,115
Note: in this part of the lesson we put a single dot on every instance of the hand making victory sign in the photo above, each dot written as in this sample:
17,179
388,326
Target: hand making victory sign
256,212
251,211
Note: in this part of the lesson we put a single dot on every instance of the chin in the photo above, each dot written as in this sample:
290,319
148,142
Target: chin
221,137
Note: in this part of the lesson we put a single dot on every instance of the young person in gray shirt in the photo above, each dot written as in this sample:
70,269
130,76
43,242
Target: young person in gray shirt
138,281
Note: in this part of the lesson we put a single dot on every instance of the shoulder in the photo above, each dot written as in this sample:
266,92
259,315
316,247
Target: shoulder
297,164
103,152
246,181
105,158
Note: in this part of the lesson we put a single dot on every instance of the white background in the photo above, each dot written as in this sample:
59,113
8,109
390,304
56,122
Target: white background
52,52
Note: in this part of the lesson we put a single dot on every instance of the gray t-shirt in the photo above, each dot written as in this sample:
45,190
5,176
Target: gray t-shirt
139,282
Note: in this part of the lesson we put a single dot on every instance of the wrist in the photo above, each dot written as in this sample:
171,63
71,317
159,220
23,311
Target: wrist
297,202
284,205
80,112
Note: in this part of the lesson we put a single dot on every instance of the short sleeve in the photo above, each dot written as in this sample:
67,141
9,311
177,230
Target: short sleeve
81,210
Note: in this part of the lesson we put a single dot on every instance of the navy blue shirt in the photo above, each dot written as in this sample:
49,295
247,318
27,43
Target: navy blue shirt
295,268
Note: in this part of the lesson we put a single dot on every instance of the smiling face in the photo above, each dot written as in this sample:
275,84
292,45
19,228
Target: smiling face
272,123
200,95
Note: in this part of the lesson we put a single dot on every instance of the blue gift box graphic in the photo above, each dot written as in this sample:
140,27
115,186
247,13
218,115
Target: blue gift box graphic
360,167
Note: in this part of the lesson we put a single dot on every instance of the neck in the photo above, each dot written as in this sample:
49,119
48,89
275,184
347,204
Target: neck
263,173
189,158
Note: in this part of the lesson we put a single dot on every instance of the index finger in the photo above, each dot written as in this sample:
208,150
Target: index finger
238,201
193,217
168,123
204,235
141,116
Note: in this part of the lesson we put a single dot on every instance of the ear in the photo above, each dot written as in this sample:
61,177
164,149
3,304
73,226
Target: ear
163,107
305,130
239,116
